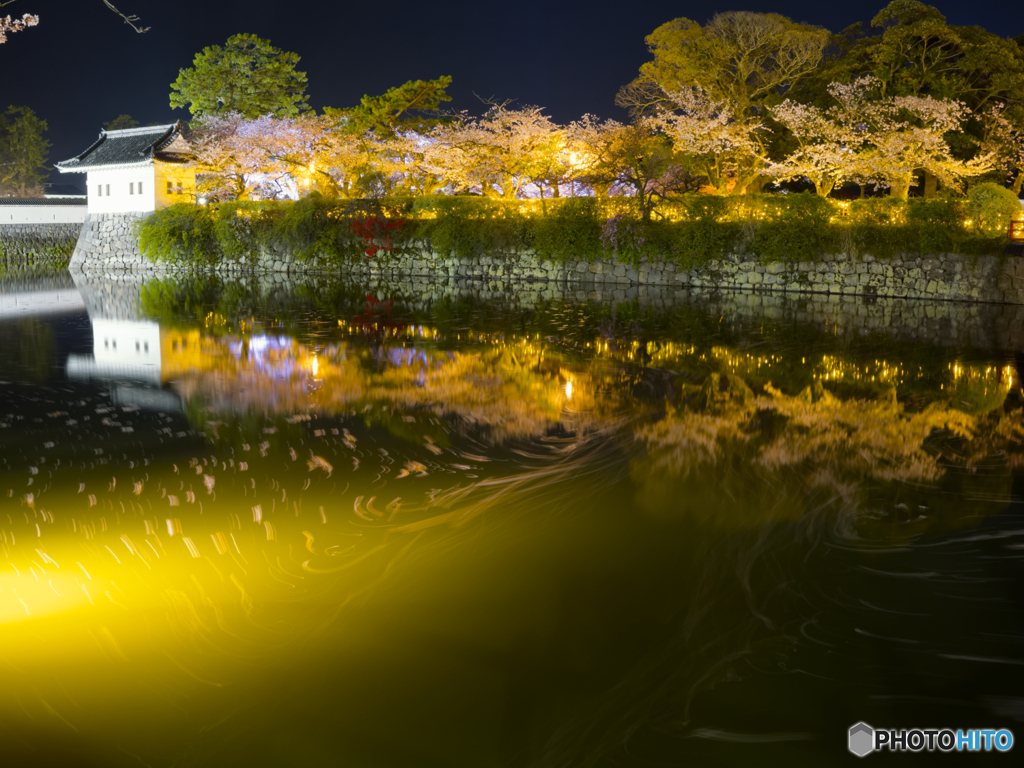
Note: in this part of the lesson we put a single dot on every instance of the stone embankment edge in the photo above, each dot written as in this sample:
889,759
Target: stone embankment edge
108,244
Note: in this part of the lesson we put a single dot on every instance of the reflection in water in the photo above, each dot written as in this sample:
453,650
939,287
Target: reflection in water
257,531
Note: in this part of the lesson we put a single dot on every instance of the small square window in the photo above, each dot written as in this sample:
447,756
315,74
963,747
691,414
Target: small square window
140,187
131,187
107,190
99,190
170,188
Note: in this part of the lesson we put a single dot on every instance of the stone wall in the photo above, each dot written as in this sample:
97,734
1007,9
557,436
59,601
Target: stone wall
25,245
107,242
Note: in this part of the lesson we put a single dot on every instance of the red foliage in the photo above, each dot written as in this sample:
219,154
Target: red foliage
376,234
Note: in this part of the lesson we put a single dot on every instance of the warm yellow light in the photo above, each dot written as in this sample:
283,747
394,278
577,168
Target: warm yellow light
568,390
31,594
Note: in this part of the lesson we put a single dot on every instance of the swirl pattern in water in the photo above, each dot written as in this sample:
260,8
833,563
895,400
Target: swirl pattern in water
257,523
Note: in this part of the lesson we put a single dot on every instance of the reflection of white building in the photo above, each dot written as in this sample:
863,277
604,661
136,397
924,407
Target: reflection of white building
122,349
137,170
131,353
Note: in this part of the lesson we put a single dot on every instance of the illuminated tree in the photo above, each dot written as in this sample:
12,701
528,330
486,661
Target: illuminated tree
498,153
248,76
233,155
741,59
414,106
913,52
825,149
636,159
727,150
1004,140
389,130
901,135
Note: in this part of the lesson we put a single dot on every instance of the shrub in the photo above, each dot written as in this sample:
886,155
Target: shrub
706,233
243,228
180,234
572,229
472,226
308,228
937,224
800,233
991,208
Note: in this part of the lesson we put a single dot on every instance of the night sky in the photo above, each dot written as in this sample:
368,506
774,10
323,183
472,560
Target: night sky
82,66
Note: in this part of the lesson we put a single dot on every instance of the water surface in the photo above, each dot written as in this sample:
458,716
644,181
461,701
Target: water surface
446,524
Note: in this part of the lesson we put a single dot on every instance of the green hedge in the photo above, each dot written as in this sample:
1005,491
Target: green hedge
691,230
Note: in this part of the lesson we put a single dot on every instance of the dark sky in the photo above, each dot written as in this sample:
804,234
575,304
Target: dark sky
82,66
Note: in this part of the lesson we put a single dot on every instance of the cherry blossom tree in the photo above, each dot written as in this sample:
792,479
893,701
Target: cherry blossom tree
826,149
902,135
233,157
499,153
9,24
1004,141
726,148
635,160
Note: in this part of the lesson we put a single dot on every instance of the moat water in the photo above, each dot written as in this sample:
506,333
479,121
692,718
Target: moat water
323,523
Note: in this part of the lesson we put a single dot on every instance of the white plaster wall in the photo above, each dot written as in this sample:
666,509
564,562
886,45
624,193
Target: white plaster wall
120,200
42,214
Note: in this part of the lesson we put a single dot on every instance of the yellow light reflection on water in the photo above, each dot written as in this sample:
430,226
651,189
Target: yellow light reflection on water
32,594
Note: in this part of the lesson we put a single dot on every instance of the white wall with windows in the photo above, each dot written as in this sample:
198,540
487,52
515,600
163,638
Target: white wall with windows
122,190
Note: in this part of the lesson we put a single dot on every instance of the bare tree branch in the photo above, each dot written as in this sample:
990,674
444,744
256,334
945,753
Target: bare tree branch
131,21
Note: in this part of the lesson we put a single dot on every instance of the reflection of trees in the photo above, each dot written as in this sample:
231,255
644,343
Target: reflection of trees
505,391
781,491
723,434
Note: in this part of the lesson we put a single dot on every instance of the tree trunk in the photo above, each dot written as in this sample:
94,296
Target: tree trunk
900,189
931,184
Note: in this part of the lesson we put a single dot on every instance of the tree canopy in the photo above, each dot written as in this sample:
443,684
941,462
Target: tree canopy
414,106
120,123
247,75
23,151
742,58
913,51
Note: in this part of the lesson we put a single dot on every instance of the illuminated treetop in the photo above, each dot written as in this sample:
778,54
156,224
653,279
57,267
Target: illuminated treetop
248,76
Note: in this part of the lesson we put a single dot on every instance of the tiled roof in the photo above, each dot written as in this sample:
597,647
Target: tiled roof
42,201
134,145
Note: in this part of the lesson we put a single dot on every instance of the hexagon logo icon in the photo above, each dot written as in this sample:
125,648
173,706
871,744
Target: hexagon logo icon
862,739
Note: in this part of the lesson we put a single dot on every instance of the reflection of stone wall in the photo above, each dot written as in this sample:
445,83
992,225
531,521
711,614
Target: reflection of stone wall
983,326
113,296
107,243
